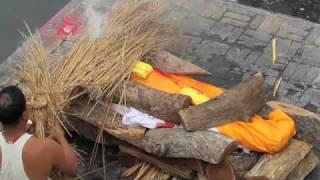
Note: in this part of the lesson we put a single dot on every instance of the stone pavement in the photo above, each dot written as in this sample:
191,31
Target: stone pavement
233,42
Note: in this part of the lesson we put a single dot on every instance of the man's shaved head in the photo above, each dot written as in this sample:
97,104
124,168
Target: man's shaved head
12,105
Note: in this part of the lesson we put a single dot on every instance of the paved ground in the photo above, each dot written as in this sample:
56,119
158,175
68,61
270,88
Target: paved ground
233,42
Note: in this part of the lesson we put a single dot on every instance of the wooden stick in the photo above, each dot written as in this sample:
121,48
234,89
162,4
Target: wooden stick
239,103
278,166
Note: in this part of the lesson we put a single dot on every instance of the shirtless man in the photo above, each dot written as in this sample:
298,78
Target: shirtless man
23,156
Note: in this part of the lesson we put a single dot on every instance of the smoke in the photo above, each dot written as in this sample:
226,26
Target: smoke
96,14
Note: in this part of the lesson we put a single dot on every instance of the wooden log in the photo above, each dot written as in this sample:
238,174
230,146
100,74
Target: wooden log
223,171
238,103
278,166
243,162
177,143
170,63
304,167
159,104
167,165
307,123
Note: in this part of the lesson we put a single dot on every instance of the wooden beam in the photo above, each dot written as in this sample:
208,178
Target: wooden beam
307,123
167,62
278,166
159,104
238,103
304,167
223,171
177,143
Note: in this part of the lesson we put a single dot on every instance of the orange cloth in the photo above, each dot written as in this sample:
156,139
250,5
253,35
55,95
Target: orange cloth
262,135
159,81
171,83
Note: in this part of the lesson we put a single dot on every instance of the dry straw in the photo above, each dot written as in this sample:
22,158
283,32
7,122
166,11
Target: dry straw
145,171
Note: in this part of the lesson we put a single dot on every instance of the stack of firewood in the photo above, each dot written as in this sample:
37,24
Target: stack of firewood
192,151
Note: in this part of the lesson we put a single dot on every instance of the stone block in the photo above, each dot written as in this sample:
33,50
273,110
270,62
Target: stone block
208,48
237,55
226,32
254,39
244,10
311,52
282,46
271,24
252,58
234,22
236,16
311,96
314,37
214,10
256,21
301,72
195,24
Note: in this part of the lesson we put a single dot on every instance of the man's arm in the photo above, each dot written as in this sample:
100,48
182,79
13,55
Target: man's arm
64,158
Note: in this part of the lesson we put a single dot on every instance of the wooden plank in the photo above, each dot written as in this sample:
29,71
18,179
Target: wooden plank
238,103
304,167
278,166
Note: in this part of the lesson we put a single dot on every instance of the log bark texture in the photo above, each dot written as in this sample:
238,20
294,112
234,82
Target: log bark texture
177,143
304,167
156,103
307,123
278,166
243,162
238,103
170,63
167,165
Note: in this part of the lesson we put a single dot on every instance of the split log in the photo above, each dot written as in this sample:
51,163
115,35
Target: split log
238,103
167,165
177,143
304,167
278,166
159,104
243,162
307,123
170,63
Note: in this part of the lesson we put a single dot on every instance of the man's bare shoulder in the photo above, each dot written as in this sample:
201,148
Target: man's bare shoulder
42,144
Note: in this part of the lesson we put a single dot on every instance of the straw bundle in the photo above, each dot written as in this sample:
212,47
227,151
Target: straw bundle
101,66
145,171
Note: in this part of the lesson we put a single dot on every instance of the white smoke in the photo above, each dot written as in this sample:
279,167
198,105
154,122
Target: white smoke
95,11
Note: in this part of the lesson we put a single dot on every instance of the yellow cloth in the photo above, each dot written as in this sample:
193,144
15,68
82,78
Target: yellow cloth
196,96
262,135
142,70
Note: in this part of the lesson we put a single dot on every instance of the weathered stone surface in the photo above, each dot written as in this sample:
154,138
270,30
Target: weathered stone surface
237,54
292,31
282,46
187,24
226,32
313,37
256,21
301,72
253,39
252,58
236,16
208,48
311,53
214,10
271,24
234,22
240,9
311,96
